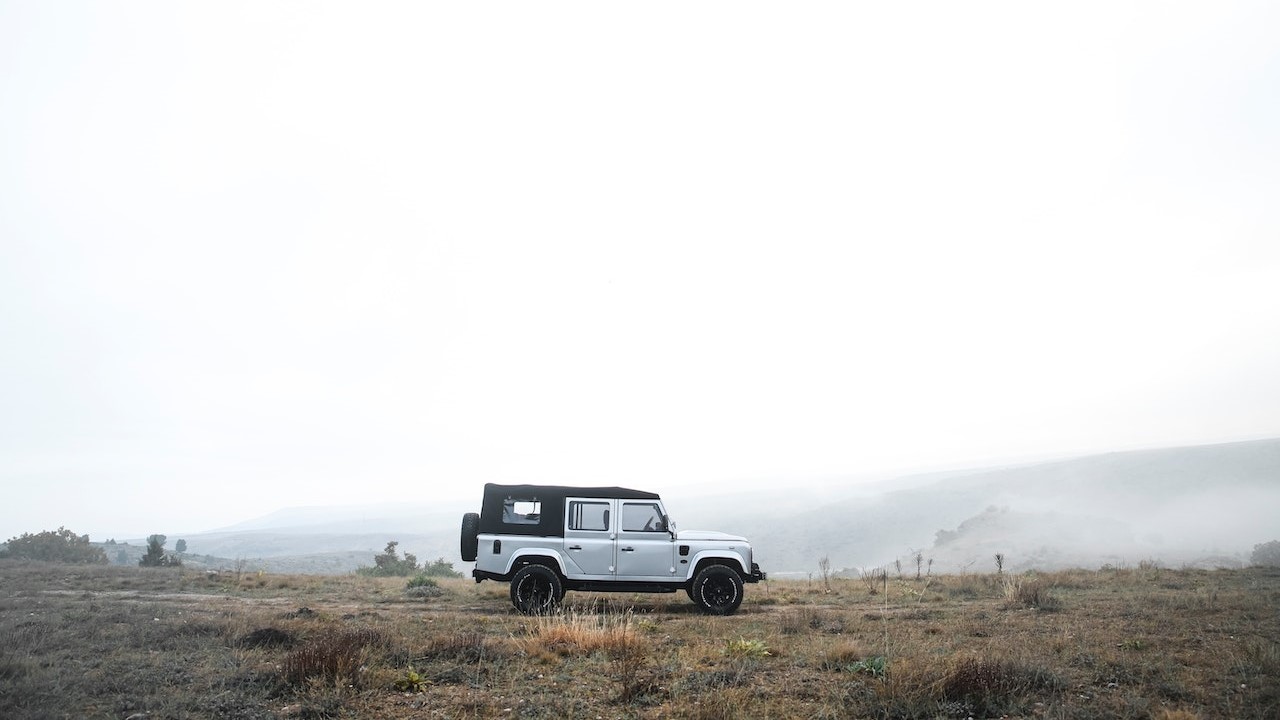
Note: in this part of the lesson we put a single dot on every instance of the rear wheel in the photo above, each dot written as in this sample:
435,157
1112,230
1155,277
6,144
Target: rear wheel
470,537
717,589
536,590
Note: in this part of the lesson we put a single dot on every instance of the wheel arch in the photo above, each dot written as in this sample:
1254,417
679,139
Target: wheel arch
534,556
713,557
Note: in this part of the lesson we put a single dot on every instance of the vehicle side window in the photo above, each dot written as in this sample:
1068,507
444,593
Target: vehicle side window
521,512
588,515
642,517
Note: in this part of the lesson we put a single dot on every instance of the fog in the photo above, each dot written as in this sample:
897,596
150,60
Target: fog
1202,506
265,256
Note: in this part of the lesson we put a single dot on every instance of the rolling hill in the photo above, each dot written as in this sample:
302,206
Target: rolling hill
1197,505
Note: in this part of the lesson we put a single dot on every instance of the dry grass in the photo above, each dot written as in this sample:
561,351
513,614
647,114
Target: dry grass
1141,643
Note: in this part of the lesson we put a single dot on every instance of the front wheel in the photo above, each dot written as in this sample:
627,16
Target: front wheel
717,589
536,590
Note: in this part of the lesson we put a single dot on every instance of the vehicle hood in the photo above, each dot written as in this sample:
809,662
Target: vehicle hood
708,535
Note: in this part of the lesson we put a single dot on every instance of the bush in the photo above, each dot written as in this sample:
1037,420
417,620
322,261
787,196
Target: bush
421,580
1266,555
441,568
421,586
389,564
61,545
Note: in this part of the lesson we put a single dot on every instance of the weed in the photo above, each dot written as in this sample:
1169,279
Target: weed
743,648
874,579
411,681
631,668
876,666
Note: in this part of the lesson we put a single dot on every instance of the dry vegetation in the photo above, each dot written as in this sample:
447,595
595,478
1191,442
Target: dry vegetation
138,643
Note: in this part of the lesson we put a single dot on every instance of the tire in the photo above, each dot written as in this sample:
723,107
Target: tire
536,590
717,589
470,537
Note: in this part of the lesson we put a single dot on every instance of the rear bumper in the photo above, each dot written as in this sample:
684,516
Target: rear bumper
481,575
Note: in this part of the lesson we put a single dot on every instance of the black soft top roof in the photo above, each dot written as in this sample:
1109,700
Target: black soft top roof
551,497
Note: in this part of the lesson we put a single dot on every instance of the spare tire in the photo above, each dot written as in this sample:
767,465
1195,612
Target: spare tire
470,536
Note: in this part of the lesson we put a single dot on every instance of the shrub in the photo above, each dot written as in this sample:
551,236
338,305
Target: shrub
1266,554
337,654
421,580
61,545
389,564
421,586
440,568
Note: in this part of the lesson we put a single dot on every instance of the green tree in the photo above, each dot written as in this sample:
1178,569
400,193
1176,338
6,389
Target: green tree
180,546
61,545
389,564
156,556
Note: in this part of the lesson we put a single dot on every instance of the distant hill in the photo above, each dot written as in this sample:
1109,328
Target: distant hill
329,539
1202,505
1183,505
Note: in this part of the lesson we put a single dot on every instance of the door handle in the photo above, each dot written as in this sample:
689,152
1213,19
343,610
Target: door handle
628,549
575,547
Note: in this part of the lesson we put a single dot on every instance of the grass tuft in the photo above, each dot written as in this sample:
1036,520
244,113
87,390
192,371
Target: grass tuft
992,687
1029,592
580,631
336,654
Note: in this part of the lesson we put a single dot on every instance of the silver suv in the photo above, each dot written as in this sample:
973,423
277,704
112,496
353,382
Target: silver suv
548,539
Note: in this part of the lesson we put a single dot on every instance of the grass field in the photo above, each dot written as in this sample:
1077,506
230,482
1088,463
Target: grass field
112,642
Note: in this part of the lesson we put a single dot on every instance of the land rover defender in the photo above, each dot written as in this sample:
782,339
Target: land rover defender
547,539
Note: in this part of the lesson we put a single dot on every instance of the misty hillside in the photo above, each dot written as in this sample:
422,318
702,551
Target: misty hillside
1187,505
1201,505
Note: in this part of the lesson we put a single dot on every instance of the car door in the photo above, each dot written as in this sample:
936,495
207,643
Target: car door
589,537
646,550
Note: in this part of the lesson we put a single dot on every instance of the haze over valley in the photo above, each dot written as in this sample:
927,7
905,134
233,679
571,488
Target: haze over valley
1201,506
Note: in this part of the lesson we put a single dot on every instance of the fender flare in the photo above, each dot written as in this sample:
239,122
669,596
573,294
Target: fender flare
556,561
731,559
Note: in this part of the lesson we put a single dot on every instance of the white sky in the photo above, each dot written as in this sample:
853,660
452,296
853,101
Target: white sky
257,254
